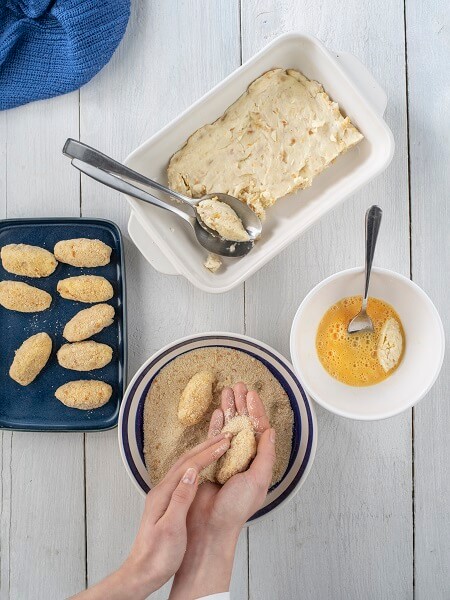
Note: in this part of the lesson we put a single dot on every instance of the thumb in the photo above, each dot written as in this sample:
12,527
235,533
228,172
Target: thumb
262,465
182,497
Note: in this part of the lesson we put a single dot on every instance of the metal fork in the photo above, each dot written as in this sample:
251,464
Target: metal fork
362,321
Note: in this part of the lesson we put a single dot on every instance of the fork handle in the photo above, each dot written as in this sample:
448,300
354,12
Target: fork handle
373,222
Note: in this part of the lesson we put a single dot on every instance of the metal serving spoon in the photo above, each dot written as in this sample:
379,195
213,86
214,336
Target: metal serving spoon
106,170
362,321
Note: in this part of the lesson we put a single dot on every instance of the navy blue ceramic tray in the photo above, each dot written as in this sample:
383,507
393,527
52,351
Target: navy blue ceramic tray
34,407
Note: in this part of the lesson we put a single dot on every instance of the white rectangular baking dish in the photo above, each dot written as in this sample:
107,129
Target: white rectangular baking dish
168,242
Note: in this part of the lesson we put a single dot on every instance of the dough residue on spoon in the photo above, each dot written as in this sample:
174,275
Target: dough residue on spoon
220,217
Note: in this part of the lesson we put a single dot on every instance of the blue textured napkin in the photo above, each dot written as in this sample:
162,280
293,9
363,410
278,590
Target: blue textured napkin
49,48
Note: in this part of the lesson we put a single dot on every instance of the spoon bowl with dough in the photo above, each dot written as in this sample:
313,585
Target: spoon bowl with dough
115,175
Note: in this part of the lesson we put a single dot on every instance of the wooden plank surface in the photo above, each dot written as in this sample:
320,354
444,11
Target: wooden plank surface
348,533
428,42
42,513
162,66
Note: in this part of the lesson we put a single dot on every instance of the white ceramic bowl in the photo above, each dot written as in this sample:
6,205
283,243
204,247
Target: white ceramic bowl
304,435
422,359
168,242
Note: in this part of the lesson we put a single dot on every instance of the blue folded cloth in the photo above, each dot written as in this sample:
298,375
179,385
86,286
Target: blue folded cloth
49,48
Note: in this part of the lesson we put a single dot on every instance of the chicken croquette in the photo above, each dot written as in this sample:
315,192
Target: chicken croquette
85,288
28,261
242,449
30,358
84,394
88,322
83,252
196,398
19,296
84,356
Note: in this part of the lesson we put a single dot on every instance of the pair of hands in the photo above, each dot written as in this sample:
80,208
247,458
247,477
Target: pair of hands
192,530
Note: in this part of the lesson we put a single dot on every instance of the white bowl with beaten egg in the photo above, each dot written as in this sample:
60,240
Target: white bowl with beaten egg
423,354
304,433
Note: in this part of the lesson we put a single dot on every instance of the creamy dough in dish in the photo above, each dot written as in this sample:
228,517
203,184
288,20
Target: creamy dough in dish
281,133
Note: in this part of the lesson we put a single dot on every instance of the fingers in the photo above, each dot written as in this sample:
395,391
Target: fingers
216,423
181,500
193,451
227,403
203,457
257,412
262,465
240,398
159,497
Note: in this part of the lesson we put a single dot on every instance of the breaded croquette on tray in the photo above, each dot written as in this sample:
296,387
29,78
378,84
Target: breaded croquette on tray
83,252
30,358
85,288
28,261
88,322
19,296
84,394
84,356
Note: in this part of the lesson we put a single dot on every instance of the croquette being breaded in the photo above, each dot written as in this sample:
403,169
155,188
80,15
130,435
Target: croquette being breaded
83,252
242,449
84,356
196,398
19,296
85,288
30,358
88,322
84,394
28,261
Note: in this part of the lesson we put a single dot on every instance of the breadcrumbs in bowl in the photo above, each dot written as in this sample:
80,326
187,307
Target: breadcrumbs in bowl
166,438
139,418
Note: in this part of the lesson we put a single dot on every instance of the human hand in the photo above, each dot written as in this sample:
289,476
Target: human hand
160,544
218,512
227,507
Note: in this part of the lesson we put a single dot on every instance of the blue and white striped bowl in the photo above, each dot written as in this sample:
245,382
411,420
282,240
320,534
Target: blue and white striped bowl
304,435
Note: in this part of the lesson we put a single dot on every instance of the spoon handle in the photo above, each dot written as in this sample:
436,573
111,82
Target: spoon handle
373,222
77,150
116,183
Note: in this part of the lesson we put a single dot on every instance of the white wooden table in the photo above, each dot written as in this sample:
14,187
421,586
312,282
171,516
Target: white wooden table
373,519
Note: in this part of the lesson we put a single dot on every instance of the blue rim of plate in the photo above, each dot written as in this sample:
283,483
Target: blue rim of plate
274,499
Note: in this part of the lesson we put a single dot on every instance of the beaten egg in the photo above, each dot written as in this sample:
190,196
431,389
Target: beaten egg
354,358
